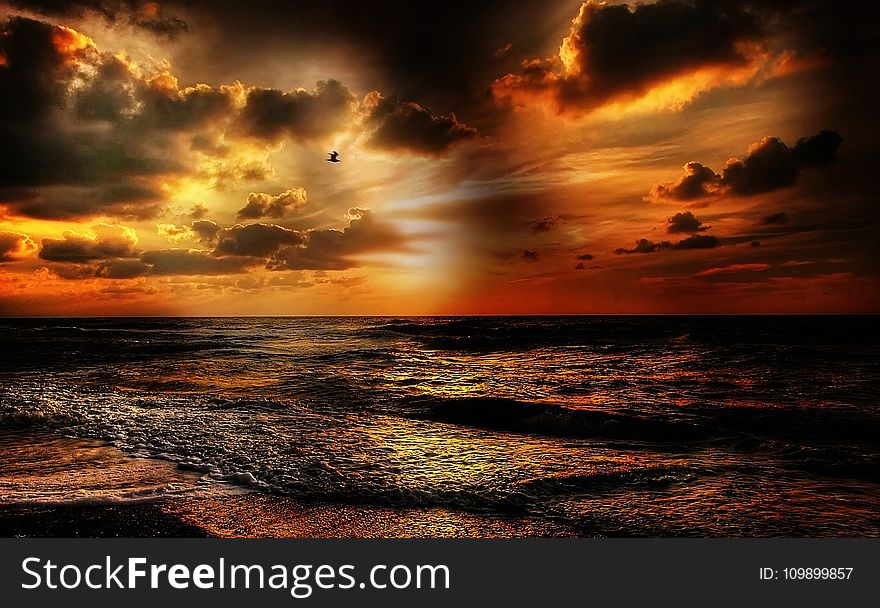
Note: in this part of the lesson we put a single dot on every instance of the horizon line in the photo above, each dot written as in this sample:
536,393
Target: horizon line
460,315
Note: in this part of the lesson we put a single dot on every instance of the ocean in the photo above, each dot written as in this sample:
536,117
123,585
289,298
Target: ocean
587,426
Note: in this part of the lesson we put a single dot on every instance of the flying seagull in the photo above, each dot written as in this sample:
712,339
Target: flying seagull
334,157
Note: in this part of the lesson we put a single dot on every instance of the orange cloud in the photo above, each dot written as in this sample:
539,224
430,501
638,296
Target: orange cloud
652,57
14,246
732,268
68,41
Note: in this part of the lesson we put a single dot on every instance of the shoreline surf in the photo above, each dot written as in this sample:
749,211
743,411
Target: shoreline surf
229,510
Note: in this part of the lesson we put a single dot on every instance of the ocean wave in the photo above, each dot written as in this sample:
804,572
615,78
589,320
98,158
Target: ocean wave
358,355
528,333
851,462
605,480
24,417
807,423
316,480
495,413
133,497
730,425
246,404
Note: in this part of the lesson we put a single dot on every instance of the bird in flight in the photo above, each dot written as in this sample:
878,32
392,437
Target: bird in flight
334,157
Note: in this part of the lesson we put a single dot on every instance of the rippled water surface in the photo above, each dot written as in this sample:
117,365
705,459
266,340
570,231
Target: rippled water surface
606,425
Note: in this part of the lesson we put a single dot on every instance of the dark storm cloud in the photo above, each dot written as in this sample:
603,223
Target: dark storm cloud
318,249
43,146
129,268
769,165
14,245
698,181
329,249
109,95
775,218
817,151
530,256
442,56
111,253
116,93
195,262
260,240
272,114
621,51
323,251
695,241
206,230
159,262
684,222
125,201
73,272
33,71
698,241
262,204
47,154
164,106
88,133
407,126
585,256
644,246
143,14
131,192
110,241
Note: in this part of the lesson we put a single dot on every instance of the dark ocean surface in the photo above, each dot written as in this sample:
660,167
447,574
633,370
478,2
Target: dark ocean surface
662,426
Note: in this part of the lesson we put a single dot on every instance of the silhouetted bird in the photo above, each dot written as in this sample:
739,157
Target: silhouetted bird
334,157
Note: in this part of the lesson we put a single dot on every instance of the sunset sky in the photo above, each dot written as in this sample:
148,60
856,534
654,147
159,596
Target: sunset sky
497,157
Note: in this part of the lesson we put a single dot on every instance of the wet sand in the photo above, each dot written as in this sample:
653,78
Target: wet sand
77,521
254,516
259,515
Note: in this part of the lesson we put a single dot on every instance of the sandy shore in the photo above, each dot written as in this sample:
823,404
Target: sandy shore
264,515
125,521
252,516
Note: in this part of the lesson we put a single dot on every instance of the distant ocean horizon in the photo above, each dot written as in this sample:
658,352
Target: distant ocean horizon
459,316
587,425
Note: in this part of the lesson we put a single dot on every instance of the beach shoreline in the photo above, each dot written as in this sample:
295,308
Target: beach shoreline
52,485
120,511
247,516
